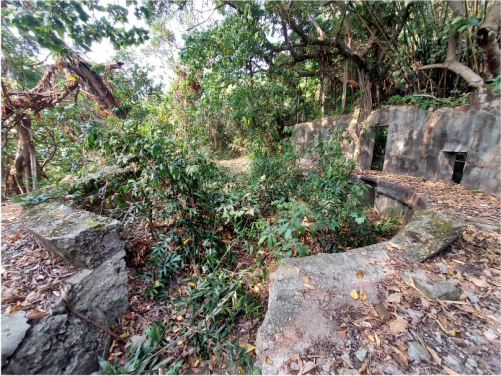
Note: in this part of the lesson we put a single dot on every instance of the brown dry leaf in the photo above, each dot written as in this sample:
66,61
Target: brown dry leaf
9,310
33,315
360,274
176,329
444,321
378,341
392,246
398,326
354,294
425,303
401,358
306,279
307,367
347,371
434,355
449,371
482,283
393,288
268,361
17,307
297,269
394,298
342,333
363,368
363,295
365,324
307,285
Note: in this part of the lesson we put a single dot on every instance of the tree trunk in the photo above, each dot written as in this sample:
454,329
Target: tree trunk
27,173
451,61
345,78
487,39
345,84
365,86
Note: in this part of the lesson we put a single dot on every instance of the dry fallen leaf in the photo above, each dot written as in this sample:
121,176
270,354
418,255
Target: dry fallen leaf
400,357
449,371
354,294
32,315
342,333
398,326
307,367
268,361
192,284
176,329
482,283
434,355
392,246
363,295
360,274
307,285
241,370
297,269
394,298
363,368
306,279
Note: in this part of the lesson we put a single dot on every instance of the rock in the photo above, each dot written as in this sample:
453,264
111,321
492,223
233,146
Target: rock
417,352
82,238
433,286
62,343
473,298
14,328
361,354
442,267
383,312
294,366
490,335
453,362
472,362
428,233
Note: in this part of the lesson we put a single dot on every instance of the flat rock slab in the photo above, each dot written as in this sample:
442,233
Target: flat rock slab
309,296
14,328
82,238
428,233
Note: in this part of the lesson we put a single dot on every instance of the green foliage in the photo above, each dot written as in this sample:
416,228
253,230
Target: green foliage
48,22
145,356
495,84
425,101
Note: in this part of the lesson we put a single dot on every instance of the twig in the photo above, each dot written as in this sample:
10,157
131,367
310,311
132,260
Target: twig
72,310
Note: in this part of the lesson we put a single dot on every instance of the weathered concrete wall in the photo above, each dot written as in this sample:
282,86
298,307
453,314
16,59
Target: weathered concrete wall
62,343
390,199
421,142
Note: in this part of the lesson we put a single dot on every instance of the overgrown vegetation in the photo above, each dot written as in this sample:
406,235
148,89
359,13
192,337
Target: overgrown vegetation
112,139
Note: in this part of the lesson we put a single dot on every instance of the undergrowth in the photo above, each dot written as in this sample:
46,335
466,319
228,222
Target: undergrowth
198,212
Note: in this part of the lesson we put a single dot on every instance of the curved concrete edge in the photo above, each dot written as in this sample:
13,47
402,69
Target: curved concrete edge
390,198
299,319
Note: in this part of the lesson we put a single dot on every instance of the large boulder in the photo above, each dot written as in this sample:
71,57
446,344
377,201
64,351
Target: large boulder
62,343
82,238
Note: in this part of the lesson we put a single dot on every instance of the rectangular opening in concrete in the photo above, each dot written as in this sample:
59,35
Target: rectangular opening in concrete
459,163
452,165
379,147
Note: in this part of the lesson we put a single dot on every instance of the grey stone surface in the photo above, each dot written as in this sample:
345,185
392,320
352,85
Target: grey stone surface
417,352
14,328
62,343
298,318
429,233
82,238
361,354
421,142
433,286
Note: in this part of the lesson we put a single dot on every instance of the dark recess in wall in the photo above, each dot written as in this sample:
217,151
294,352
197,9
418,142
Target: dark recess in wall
380,140
457,174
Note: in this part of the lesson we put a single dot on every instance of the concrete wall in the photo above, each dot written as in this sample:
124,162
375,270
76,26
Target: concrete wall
421,142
